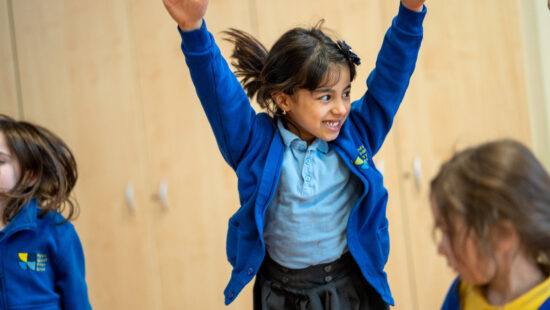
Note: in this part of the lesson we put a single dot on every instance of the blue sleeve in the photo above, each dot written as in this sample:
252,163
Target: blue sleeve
545,305
373,114
452,300
70,273
223,99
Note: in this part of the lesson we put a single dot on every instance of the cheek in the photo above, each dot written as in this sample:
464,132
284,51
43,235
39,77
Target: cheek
444,249
8,178
477,269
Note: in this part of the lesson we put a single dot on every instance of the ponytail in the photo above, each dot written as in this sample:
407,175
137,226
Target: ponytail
248,59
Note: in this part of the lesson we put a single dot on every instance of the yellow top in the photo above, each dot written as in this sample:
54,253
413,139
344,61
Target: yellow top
472,299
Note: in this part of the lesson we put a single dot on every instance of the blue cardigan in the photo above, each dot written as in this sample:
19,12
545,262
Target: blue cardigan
252,146
452,301
41,263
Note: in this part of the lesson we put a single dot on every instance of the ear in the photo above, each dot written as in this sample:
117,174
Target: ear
282,100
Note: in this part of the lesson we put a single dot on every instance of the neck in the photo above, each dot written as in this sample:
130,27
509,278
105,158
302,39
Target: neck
521,276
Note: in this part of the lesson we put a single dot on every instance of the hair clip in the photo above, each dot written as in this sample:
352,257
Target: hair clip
350,55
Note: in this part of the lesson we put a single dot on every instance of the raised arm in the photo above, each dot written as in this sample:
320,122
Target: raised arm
222,97
373,114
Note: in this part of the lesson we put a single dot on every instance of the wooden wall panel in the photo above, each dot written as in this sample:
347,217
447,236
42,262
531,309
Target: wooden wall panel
399,266
8,80
535,24
78,77
181,151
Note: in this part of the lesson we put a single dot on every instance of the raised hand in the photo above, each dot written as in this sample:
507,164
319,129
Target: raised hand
414,5
187,13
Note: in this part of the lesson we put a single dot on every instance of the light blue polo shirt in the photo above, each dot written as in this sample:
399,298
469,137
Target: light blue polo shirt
305,223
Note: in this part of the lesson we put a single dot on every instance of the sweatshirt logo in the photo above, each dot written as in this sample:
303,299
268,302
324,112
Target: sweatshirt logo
32,261
362,160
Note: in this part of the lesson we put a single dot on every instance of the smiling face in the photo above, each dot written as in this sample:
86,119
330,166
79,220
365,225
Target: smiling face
320,112
9,169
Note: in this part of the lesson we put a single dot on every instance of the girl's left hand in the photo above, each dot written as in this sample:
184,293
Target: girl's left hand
414,5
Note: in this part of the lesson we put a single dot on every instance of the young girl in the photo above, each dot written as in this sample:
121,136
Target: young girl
312,223
491,204
41,258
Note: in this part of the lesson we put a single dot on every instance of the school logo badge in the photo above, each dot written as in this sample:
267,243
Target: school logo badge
362,160
33,261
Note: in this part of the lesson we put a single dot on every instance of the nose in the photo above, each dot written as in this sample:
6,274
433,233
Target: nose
340,107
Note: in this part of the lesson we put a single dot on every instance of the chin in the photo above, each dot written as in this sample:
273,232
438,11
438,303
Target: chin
331,137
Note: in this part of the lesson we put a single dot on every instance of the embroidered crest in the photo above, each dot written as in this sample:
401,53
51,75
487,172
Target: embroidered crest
362,160
33,261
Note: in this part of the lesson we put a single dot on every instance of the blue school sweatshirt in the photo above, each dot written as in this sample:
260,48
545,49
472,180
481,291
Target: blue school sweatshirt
41,263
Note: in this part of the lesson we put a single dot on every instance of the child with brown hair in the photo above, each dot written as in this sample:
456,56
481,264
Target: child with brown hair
41,257
491,206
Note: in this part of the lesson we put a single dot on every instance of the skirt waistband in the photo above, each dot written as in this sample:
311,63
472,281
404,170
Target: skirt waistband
311,276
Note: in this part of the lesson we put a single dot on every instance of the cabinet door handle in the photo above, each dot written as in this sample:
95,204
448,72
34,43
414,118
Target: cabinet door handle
130,202
380,166
417,172
162,195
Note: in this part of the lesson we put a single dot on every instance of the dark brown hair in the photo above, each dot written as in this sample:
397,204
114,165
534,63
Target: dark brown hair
299,59
497,181
48,169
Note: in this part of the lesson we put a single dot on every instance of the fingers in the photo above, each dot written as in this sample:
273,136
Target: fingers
414,5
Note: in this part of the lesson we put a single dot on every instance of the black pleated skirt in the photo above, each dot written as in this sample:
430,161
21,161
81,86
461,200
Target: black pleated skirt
339,285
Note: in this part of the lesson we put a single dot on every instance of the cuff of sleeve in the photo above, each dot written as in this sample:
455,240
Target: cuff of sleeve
410,20
196,40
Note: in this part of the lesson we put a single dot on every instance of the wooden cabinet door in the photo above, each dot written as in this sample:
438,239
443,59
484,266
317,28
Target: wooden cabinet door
399,266
468,88
201,189
78,78
8,74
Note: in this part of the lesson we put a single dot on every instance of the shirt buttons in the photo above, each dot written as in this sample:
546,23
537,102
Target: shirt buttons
284,280
328,279
250,271
231,295
327,268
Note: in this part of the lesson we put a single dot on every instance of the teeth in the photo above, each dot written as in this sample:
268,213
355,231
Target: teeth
332,124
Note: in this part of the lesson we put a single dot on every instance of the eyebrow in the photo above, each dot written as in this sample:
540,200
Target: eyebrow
327,89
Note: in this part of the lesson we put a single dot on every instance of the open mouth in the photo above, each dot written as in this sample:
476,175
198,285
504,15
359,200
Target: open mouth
332,125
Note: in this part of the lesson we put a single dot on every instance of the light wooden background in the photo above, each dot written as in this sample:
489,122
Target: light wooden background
109,77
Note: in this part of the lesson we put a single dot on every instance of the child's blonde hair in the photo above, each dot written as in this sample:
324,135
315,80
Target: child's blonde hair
496,181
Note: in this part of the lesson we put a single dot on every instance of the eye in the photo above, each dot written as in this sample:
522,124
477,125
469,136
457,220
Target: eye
324,98
347,94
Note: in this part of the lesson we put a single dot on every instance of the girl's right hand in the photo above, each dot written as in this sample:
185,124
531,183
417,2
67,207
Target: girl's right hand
187,13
